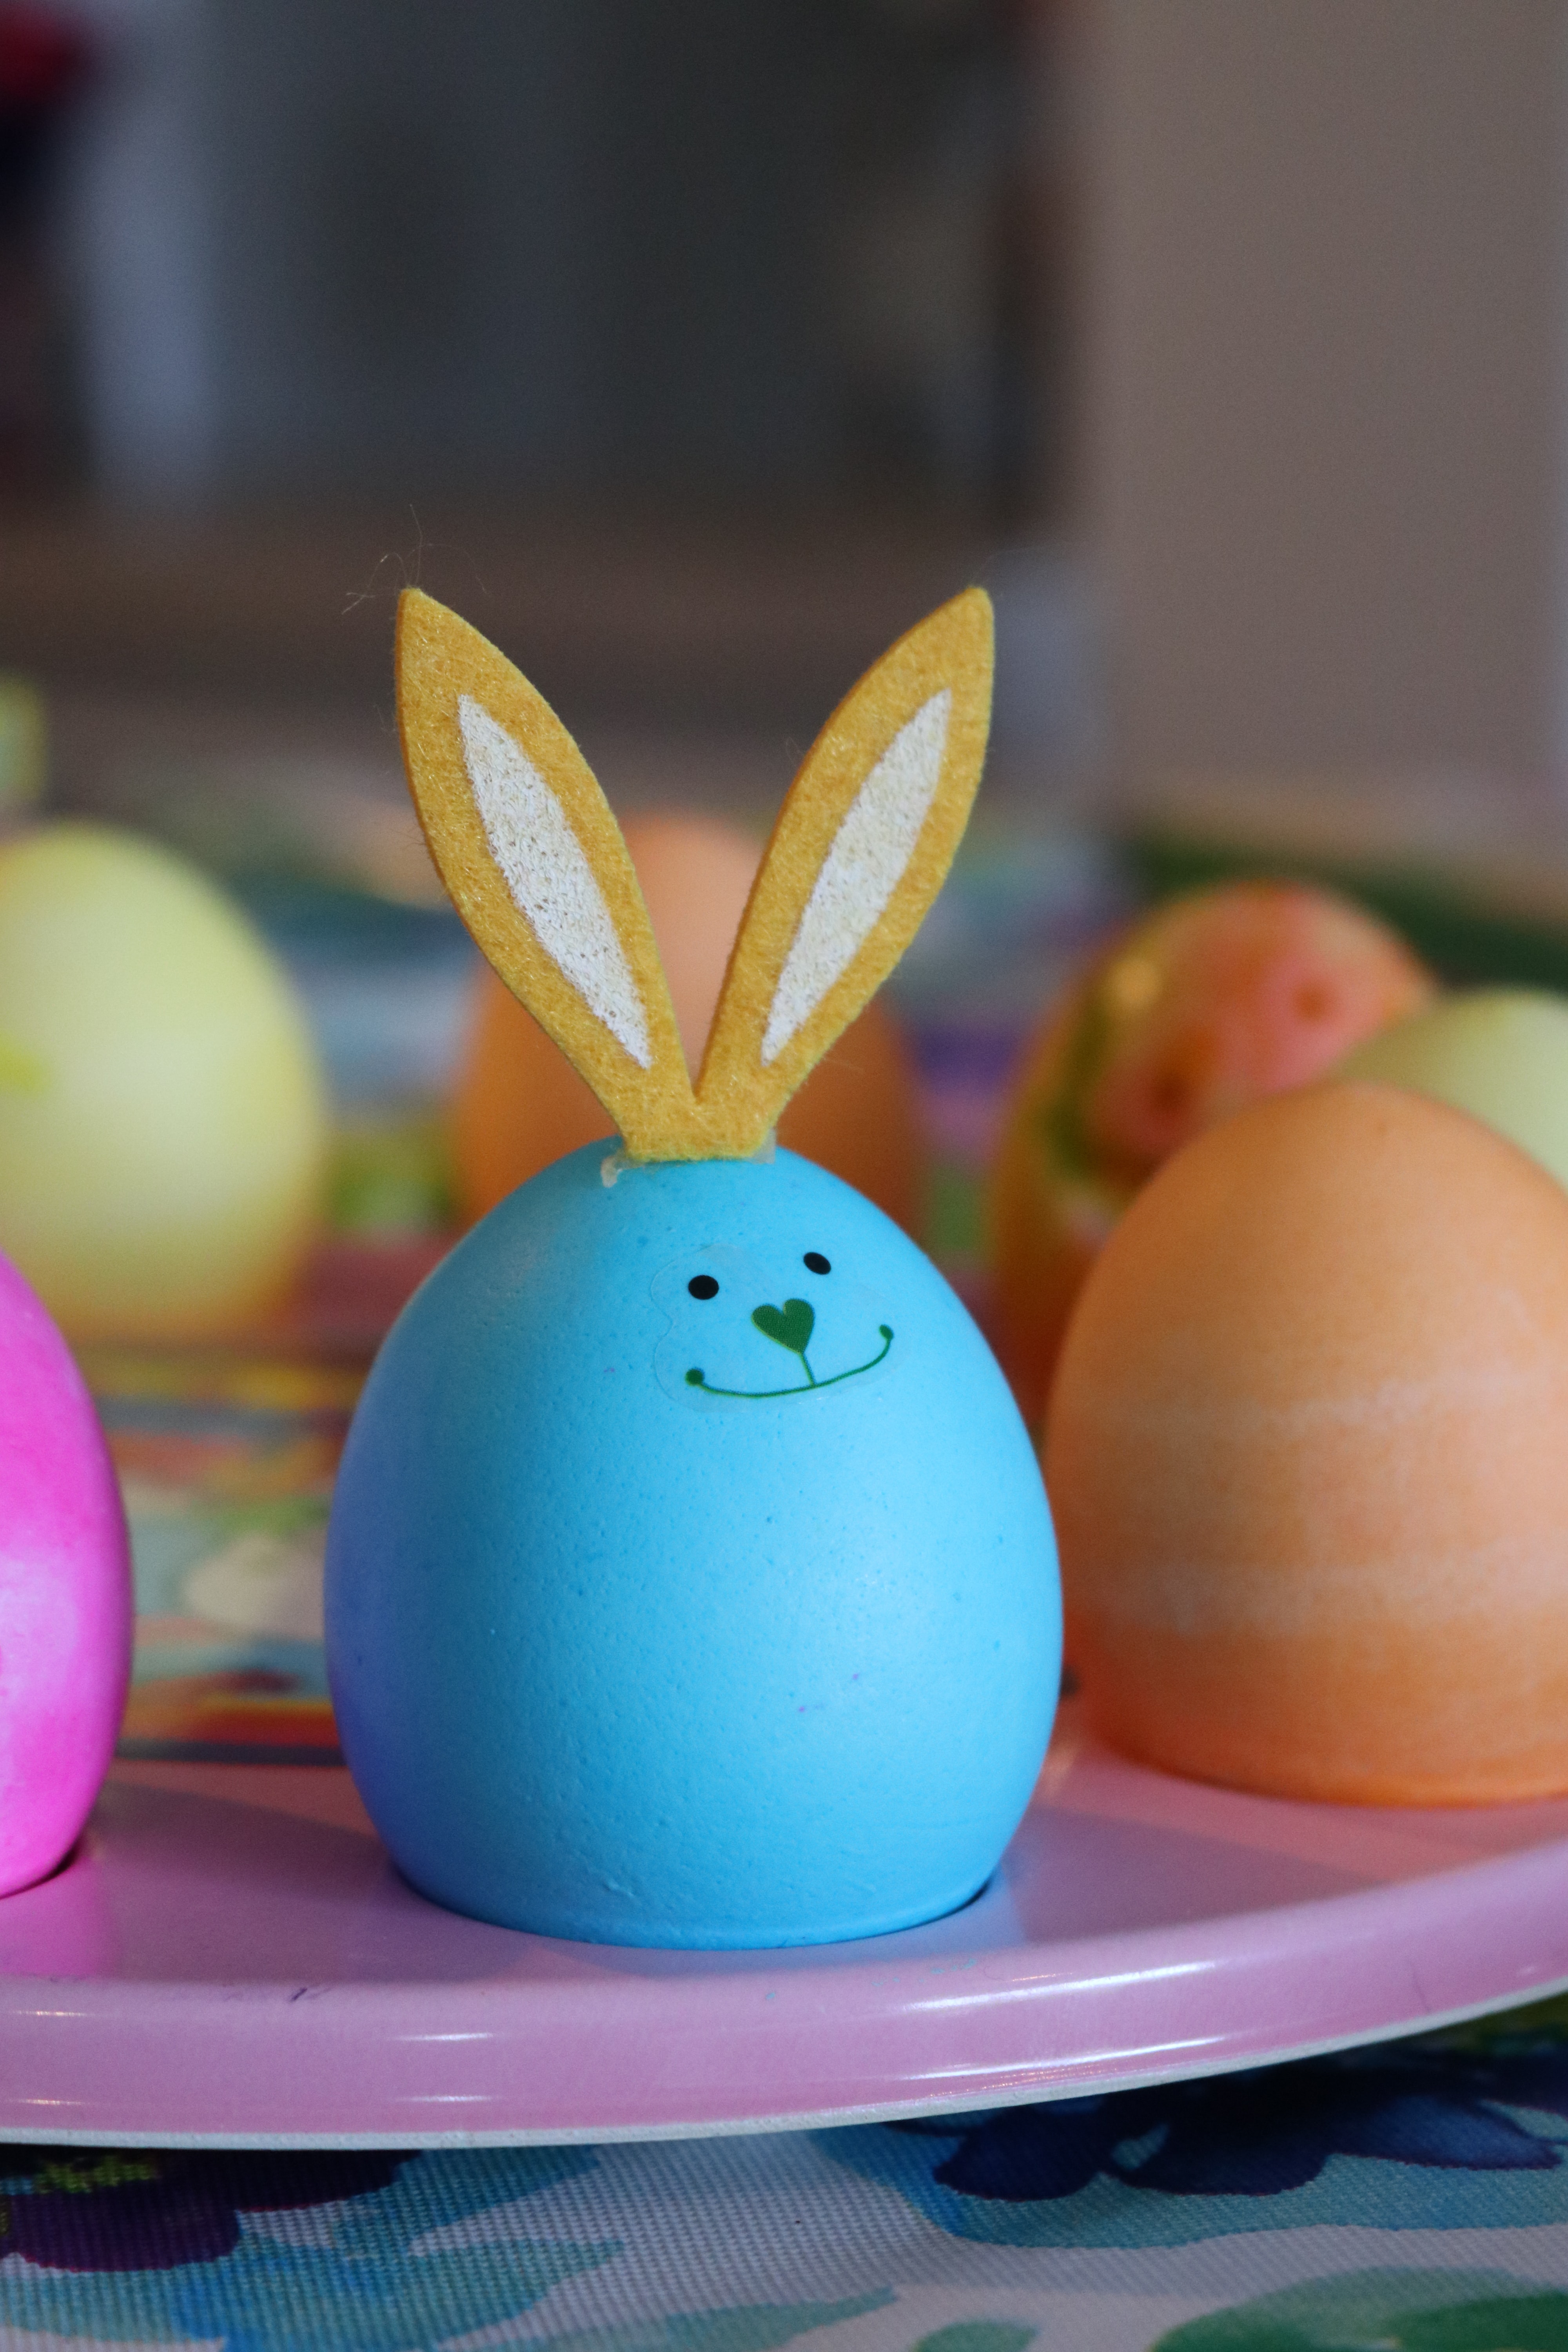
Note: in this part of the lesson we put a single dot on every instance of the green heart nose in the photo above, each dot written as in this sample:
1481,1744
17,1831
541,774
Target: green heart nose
790,1325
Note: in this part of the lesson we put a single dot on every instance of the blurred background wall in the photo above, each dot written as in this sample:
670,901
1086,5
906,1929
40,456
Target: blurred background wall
604,251
696,348
1326,410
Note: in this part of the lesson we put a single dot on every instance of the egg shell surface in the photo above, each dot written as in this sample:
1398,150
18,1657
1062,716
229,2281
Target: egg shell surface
1215,1000
518,1104
713,1616
1501,1054
64,1595
162,1118
1306,1454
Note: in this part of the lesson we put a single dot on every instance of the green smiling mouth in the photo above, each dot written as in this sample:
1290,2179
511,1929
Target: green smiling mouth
782,1328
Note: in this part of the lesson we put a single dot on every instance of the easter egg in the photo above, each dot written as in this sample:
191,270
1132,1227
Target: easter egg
1501,1054
1212,1001
517,1105
1306,1458
64,1595
689,1580
162,1122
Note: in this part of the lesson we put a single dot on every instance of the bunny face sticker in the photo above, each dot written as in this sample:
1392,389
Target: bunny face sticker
773,1327
690,1580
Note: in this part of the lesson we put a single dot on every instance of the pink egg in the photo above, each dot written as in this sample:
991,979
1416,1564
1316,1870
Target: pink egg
64,1595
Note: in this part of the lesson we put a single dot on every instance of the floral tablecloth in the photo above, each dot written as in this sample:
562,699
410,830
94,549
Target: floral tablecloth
1407,2198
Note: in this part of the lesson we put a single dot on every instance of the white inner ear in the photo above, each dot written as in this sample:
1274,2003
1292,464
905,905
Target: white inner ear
861,871
550,881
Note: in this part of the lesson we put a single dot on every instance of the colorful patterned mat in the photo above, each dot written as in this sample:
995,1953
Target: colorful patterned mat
227,1464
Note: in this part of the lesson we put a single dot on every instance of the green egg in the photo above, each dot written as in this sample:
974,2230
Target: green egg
1500,1054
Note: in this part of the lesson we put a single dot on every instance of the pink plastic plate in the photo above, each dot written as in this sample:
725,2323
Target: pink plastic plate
231,1959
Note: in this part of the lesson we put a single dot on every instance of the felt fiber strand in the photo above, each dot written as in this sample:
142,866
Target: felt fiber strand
570,936
862,845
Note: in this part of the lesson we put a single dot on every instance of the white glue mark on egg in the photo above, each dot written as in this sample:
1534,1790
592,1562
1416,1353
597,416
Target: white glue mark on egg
861,871
550,880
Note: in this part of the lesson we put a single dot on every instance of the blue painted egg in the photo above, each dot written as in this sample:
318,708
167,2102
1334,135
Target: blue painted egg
690,1580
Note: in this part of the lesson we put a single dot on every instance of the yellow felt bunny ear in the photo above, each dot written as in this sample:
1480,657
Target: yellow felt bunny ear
861,848
535,864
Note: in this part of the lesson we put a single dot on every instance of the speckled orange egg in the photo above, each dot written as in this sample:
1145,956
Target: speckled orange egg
520,1104
1213,1000
1308,1457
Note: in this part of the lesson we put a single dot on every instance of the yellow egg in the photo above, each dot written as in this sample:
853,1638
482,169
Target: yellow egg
163,1119
520,1104
1306,1453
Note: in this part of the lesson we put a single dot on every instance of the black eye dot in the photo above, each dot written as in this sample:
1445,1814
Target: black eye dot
817,1261
703,1286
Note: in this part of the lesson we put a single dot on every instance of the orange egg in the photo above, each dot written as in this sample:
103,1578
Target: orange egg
520,1104
1308,1458
1215,1000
